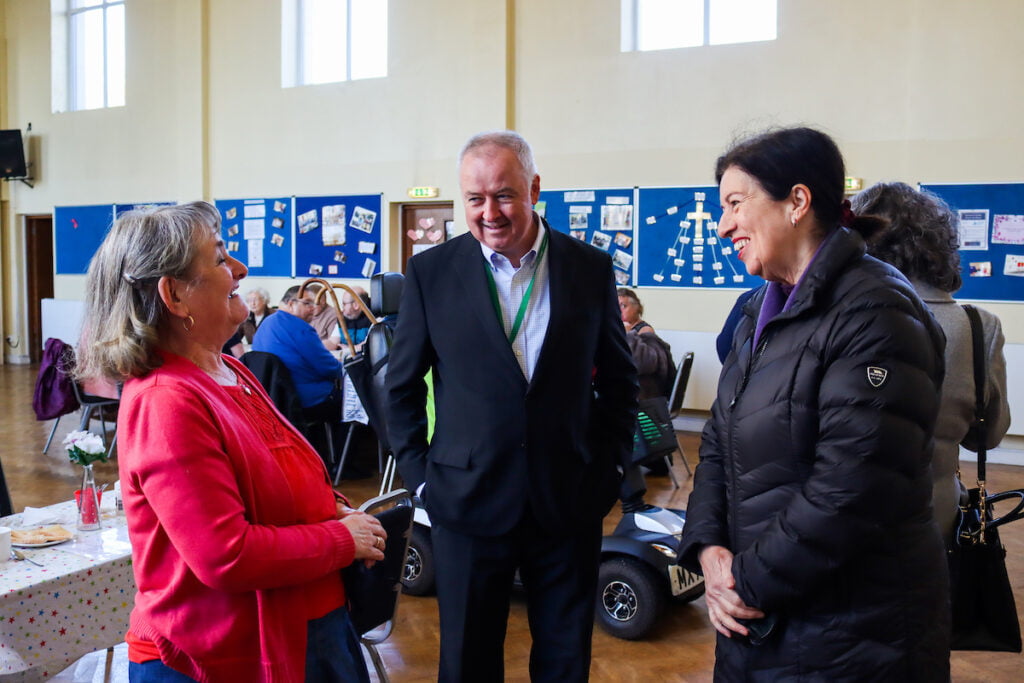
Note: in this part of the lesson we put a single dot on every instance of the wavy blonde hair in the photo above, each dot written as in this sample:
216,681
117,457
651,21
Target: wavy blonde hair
123,309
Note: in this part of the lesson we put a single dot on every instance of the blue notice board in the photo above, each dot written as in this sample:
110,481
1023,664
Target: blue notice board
125,208
678,243
991,238
78,233
338,237
602,218
259,233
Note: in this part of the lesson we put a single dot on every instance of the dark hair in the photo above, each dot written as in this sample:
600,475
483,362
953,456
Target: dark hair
782,158
921,240
630,294
292,293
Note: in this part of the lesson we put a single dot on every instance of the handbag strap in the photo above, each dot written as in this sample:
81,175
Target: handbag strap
978,345
979,426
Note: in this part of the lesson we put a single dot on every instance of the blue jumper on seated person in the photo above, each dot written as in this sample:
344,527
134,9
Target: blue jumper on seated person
315,372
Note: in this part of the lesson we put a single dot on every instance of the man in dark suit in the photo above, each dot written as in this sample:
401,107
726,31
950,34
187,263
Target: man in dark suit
535,403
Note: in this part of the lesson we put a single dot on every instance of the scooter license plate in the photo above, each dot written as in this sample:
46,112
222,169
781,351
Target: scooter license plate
681,579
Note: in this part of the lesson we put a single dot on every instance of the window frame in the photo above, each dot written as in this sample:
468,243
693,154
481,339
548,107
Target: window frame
295,72
67,87
630,34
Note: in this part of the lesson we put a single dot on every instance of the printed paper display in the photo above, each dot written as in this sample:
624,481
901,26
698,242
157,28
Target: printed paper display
308,221
1007,229
334,225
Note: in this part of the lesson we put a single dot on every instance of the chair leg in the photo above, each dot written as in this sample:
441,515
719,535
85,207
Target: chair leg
344,455
52,432
378,663
671,474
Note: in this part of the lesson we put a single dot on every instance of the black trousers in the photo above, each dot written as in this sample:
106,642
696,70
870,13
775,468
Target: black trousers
474,585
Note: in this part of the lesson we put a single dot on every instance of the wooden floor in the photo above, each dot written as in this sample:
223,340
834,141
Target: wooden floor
681,648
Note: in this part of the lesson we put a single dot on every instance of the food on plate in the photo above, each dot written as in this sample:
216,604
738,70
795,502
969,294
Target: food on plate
46,534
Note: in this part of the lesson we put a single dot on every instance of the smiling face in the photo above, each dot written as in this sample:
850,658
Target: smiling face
760,228
211,290
499,200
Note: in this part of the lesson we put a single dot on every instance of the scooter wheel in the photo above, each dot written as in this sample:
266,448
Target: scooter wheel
418,573
629,598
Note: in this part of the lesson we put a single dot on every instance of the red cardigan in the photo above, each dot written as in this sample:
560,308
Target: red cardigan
233,555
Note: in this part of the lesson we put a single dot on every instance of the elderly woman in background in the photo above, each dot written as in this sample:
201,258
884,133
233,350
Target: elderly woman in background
810,515
238,538
258,301
921,241
652,354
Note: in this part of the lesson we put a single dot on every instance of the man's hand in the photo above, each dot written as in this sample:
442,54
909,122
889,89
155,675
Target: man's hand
725,605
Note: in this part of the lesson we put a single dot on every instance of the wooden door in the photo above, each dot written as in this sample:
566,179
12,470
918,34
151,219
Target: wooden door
424,226
39,271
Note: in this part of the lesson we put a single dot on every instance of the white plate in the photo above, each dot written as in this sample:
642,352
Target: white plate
40,545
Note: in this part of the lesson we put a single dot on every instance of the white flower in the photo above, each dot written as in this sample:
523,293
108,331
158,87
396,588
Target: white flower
86,442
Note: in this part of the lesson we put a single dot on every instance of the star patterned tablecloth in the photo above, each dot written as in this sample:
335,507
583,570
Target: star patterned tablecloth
77,602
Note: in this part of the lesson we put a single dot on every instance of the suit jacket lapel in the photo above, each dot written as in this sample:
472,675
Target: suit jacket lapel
469,265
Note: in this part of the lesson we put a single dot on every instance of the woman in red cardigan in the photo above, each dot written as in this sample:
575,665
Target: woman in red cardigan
238,538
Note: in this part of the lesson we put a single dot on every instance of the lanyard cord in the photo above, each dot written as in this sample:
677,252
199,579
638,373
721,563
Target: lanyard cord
525,301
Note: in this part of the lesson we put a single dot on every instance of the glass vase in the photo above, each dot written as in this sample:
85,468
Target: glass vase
88,500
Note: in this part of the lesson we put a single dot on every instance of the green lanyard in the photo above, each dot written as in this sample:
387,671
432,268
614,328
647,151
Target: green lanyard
525,302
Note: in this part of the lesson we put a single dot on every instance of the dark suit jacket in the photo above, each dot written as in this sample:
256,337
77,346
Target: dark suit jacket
500,443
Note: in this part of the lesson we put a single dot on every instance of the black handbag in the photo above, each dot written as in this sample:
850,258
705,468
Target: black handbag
984,611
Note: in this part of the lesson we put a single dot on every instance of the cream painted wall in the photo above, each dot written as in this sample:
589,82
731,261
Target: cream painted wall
916,90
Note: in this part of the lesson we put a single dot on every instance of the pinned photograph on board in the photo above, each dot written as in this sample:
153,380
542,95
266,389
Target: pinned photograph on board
363,219
577,221
369,267
332,268
278,222
232,230
315,269
601,240
1008,229
334,225
277,239
308,221
231,213
581,235
279,207
981,269
339,256
623,239
367,247
621,278
617,217
233,245
1014,265
622,259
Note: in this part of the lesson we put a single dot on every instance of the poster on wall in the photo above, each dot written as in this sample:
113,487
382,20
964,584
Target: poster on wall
338,236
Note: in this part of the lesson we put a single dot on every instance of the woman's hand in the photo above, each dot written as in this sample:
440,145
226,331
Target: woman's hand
367,533
725,605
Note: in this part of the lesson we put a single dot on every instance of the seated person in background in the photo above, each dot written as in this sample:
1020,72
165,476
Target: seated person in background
325,318
652,354
356,322
921,241
258,301
315,372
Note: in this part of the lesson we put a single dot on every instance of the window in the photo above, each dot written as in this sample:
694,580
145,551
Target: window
88,54
326,41
666,24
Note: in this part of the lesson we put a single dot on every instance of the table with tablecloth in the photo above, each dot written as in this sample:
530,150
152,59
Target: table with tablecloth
77,602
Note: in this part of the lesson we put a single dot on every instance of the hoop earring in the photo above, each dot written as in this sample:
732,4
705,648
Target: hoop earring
188,323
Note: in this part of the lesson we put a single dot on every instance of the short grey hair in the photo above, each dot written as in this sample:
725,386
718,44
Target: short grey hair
507,139
123,307
260,292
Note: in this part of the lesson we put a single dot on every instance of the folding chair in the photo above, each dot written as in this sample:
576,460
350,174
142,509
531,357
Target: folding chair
373,593
97,408
276,379
675,405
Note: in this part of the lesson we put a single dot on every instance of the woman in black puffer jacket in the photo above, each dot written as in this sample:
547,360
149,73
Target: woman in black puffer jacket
811,514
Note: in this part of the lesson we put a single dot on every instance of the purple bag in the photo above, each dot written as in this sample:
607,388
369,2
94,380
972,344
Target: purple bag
54,394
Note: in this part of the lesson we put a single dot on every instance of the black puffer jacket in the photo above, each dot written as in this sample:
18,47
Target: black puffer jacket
814,472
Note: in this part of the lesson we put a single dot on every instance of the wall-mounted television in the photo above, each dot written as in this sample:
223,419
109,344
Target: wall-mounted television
12,154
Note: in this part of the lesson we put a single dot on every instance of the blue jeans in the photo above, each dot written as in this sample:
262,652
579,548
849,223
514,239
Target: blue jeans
333,655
